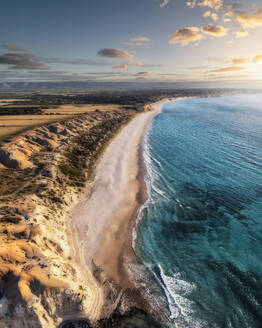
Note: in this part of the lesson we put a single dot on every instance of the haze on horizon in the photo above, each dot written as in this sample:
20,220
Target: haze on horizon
140,40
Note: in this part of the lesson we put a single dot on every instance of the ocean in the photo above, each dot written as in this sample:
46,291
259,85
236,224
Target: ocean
199,234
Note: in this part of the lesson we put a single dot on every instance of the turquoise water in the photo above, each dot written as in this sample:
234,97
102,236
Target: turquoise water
200,232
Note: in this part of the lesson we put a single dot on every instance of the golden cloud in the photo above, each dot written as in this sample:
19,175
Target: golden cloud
257,59
227,17
229,14
139,39
120,67
241,33
245,60
164,3
133,43
191,4
217,31
232,6
240,61
165,77
137,63
250,19
221,77
209,14
186,35
225,70
214,4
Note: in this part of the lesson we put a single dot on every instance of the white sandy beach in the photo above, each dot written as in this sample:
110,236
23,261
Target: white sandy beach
102,223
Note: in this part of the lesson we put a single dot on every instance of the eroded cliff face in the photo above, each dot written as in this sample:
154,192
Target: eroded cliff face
42,174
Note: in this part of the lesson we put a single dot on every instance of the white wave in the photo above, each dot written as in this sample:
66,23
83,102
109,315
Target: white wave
151,175
151,172
175,289
180,306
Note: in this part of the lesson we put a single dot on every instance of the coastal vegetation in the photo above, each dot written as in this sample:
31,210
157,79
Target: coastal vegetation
40,170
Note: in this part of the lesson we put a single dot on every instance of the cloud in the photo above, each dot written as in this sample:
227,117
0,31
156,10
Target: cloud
142,75
186,35
137,41
13,47
115,53
213,4
250,19
196,67
232,6
216,31
257,59
138,63
209,14
227,17
225,70
241,33
245,60
218,77
165,77
191,4
21,61
229,14
54,60
132,44
120,67
164,3
240,61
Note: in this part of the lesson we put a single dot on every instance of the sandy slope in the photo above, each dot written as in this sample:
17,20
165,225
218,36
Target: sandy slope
40,281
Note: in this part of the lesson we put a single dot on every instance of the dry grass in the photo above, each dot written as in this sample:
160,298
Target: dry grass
80,109
13,124
11,101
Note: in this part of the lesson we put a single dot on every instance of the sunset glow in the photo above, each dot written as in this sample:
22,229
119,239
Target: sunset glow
171,40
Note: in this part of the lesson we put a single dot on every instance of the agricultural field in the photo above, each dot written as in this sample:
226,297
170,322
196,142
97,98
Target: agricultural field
18,115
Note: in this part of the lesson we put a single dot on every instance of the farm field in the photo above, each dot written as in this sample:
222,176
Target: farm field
14,123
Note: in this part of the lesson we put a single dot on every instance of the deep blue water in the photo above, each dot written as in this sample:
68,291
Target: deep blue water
200,233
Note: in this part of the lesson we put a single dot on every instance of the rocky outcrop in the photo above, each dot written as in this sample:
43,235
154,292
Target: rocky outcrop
16,153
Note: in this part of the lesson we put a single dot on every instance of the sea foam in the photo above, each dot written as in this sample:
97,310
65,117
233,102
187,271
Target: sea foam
175,289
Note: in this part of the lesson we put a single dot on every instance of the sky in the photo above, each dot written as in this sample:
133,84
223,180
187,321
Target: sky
131,40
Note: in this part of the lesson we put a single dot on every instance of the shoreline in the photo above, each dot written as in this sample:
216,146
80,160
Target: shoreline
49,171
142,166
104,220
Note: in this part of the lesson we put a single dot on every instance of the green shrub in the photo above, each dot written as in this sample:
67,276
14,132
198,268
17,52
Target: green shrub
69,170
